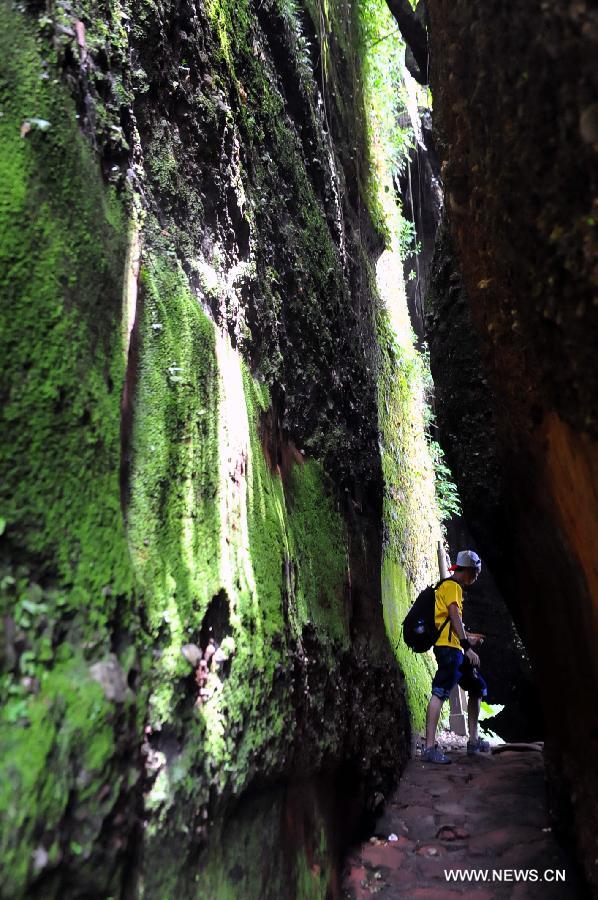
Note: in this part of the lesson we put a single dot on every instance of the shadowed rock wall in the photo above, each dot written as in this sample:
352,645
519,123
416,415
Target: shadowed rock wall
515,110
420,191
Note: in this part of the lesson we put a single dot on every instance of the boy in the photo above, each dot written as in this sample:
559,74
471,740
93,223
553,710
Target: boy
453,666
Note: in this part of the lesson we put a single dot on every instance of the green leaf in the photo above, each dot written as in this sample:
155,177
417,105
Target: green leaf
487,710
33,608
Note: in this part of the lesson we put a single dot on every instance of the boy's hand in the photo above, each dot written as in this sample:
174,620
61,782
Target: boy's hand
473,658
475,639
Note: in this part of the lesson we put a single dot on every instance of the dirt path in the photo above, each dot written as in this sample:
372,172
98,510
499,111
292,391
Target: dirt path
485,814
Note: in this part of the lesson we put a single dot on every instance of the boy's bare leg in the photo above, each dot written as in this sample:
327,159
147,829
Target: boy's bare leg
473,715
432,717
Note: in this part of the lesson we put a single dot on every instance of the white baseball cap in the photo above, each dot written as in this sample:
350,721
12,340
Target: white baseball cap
467,559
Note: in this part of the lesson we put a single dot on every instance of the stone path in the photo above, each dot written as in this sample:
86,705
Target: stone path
483,814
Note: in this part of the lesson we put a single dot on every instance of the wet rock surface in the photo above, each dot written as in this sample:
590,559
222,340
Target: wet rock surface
518,165
486,815
420,190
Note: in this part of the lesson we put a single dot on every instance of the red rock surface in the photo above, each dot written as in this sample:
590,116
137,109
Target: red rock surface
485,814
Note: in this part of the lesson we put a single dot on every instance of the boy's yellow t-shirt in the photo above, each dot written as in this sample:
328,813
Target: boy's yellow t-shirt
448,592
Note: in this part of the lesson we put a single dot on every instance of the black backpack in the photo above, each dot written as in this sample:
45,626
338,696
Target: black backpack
419,628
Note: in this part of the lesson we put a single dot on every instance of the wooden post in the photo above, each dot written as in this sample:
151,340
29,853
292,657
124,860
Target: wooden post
442,566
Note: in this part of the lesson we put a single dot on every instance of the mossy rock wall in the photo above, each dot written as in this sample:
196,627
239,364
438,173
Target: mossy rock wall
192,377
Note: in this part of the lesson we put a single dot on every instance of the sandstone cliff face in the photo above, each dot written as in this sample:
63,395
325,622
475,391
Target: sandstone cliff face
420,190
515,111
197,389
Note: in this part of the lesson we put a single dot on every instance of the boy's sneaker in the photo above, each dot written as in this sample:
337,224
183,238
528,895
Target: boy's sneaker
435,755
479,746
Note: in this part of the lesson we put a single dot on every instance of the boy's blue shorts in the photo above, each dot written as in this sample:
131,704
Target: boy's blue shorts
454,669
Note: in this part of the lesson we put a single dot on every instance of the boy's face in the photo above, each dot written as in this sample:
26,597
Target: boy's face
472,575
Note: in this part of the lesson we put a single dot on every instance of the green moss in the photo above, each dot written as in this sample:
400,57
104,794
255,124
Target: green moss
295,210
61,756
266,521
245,856
300,518
61,264
209,518
314,864
320,552
65,566
410,511
297,548
412,527
418,668
173,516
270,849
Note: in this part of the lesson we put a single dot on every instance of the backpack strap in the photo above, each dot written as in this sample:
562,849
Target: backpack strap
442,580
443,626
